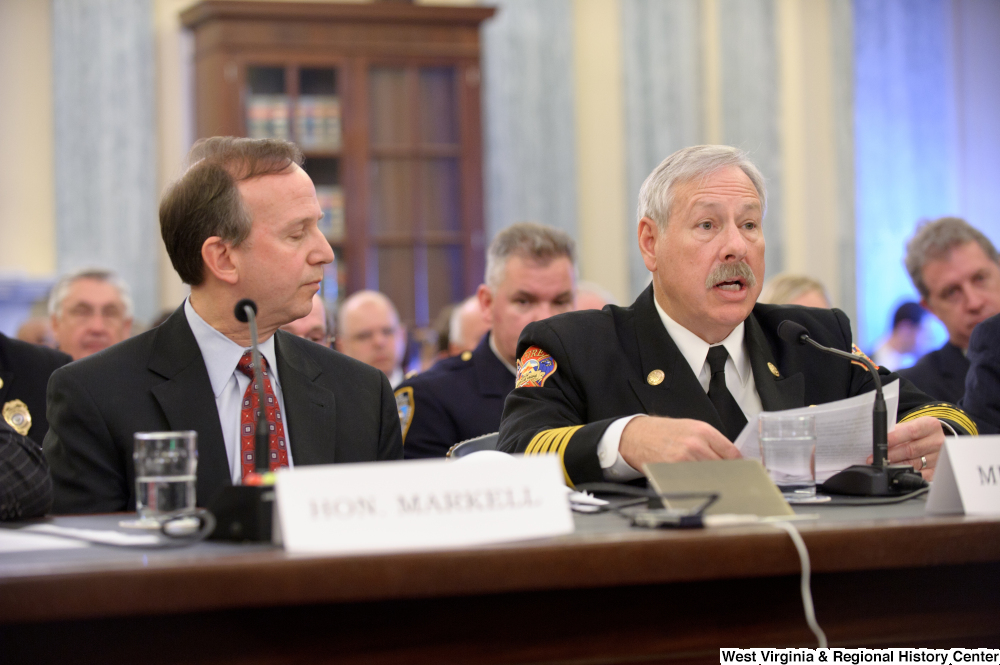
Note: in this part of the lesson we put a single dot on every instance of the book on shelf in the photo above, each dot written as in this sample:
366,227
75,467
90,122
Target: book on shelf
317,122
331,201
267,116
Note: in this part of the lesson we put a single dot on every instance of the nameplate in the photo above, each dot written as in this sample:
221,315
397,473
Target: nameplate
420,504
967,477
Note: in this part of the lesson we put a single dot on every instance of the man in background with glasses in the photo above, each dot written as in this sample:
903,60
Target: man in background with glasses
91,309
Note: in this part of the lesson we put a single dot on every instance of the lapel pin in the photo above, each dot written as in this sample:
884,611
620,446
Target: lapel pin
655,377
774,370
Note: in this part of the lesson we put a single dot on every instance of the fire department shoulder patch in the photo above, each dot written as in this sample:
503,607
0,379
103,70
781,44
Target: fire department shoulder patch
534,367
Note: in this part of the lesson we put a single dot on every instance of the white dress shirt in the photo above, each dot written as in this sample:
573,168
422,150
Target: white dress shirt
221,356
739,380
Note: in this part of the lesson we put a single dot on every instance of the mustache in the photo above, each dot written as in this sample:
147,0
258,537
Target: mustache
728,272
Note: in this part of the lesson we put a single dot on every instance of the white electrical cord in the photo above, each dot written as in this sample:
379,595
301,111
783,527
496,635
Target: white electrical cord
807,600
785,524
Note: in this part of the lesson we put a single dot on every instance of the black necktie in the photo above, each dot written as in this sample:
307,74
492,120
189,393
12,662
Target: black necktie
733,420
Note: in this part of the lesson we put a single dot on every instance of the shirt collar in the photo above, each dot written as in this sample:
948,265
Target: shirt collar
695,349
221,354
493,348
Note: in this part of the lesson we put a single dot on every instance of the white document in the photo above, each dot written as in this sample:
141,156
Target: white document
22,540
967,477
421,504
843,430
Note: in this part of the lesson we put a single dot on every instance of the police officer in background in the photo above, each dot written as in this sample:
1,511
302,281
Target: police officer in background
530,275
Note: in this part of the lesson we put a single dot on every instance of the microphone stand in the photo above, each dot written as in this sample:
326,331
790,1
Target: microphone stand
245,512
879,478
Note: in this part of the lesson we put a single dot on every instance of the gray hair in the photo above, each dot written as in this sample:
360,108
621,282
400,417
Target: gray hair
61,289
934,239
530,241
656,196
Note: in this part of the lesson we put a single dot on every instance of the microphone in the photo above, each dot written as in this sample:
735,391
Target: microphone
245,512
881,478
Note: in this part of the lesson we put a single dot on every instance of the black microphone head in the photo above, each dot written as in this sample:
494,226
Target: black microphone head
792,332
241,312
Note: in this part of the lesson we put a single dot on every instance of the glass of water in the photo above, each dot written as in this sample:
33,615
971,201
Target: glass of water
788,450
166,464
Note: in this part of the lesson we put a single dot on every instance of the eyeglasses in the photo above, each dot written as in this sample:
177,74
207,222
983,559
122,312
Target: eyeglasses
85,311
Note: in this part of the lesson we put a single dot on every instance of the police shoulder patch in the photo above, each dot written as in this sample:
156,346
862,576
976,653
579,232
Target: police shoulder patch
534,367
404,407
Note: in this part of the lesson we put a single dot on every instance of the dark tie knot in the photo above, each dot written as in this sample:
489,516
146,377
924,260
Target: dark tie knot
717,359
245,364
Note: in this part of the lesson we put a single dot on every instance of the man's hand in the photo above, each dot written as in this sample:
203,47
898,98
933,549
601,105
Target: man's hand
653,439
913,440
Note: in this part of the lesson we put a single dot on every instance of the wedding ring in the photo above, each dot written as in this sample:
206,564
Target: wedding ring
923,463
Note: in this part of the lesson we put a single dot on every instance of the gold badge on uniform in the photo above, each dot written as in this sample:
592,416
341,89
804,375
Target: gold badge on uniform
466,356
404,407
655,377
16,413
774,370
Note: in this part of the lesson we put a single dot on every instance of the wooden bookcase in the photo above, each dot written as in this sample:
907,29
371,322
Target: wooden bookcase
384,100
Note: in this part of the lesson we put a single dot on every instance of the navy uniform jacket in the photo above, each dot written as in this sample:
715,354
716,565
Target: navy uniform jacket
940,374
337,410
24,372
457,399
580,371
982,384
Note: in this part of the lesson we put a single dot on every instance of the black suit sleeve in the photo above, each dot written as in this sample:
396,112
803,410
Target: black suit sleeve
390,444
25,484
86,467
552,418
982,383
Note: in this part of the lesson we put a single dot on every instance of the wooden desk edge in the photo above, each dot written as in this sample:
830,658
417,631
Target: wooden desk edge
587,560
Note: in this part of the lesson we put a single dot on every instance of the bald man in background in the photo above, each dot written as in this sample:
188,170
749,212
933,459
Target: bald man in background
368,329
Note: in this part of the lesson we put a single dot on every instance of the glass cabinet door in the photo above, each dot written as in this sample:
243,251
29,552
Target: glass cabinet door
302,104
416,255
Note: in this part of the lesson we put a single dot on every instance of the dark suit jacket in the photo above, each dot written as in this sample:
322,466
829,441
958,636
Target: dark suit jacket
603,360
24,372
337,410
457,399
982,384
940,374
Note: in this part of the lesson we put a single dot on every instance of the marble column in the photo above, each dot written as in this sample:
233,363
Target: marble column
105,141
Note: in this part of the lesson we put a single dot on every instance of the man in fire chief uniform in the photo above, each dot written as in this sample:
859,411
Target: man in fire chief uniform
677,375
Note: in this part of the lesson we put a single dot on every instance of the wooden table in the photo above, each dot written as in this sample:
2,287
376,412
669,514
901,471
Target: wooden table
886,576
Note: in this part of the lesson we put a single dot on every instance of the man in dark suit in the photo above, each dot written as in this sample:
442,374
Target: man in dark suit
956,269
529,277
677,375
240,223
982,384
25,486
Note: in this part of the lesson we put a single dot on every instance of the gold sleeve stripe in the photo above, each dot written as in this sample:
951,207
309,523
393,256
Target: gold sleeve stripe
540,442
564,441
553,441
944,413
